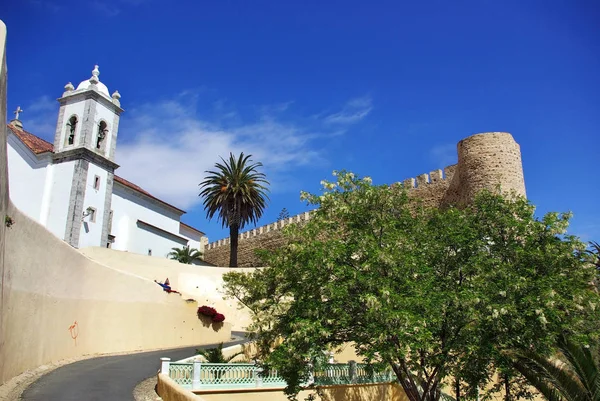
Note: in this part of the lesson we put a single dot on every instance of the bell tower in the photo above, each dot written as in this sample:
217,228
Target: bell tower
84,149
88,118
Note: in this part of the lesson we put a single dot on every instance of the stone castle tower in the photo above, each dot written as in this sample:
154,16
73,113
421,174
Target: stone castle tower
488,160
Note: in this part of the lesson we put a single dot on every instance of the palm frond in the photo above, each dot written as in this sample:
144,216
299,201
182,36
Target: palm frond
572,376
538,380
582,362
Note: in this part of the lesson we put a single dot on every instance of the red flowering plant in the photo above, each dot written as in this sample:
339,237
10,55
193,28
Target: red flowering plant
218,318
208,311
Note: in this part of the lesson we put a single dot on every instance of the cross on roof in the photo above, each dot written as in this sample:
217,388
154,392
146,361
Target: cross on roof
18,111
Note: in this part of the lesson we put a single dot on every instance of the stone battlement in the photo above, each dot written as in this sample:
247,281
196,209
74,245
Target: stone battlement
485,161
278,225
430,178
420,181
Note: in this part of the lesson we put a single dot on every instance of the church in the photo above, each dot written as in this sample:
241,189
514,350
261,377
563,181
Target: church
70,186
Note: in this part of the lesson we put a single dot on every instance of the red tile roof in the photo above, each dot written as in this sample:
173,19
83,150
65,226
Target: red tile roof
35,144
38,146
190,228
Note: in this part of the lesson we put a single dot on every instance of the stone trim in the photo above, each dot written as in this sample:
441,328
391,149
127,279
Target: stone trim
59,127
75,213
107,205
75,96
88,124
113,137
86,154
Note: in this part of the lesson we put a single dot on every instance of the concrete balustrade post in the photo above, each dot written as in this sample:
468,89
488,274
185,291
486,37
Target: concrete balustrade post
258,380
165,364
311,374
196,375
352,371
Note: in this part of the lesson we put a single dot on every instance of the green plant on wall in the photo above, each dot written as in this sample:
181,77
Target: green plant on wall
185,255
215,355
8,221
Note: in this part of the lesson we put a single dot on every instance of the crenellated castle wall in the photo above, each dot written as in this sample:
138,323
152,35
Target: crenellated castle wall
485,161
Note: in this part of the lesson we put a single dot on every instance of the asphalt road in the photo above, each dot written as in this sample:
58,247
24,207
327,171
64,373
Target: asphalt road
105,378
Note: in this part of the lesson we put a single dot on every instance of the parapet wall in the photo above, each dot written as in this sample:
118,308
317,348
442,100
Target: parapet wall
485,161
59,304
3,192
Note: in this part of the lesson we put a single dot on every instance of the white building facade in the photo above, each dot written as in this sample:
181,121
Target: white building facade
70,186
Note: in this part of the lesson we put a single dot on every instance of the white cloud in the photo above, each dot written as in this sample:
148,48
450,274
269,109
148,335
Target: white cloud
43,104
166,148
444,155
354,111
39,117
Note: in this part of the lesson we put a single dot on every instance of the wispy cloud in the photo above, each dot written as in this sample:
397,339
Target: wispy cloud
165,147
46,5
354,111
43,104
443,155
135,2
105,8
40,117
586,230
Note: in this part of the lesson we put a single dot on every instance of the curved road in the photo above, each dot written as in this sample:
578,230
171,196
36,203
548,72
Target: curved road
105,378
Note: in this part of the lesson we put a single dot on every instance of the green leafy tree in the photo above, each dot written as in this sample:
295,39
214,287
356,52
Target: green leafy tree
237,193
185,255
215,355
571,375
284,214
433,294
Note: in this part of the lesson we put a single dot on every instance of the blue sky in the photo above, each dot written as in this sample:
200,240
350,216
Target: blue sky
381,88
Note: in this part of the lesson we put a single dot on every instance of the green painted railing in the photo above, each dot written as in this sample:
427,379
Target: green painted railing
351,373
198,376
182,373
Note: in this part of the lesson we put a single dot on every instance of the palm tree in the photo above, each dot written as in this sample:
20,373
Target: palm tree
595,252
236,192
573,376
185,254
215,355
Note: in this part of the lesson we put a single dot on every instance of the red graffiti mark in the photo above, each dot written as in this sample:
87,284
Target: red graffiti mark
74,330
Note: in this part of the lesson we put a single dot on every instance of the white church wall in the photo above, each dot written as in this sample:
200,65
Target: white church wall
61,179
143,227
27,177
194,239
150,241
91,227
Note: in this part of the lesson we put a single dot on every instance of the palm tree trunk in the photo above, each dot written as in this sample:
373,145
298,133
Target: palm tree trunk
457,396
233,249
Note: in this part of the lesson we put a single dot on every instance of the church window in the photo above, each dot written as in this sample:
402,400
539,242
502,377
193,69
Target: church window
96,183
92,214
102,131
71,127
149,252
